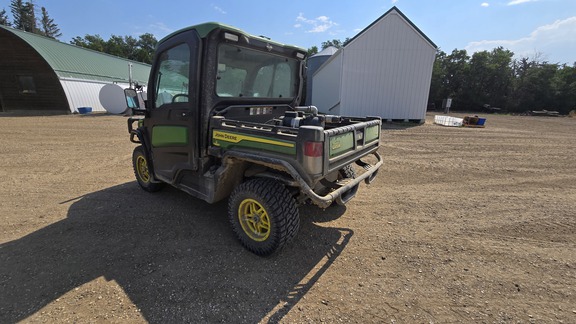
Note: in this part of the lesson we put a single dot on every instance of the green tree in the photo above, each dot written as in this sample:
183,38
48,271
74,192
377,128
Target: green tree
17,9
131,47
521,68
312,50
4,18
48,27
346,41
93,42
23,15
335,42
541,85
490,78
565,88
456,70
29,18
534,86
450,79
438,83
146,46
501,76
479,78
116,46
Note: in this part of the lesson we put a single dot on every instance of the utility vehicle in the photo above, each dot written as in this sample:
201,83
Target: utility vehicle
222,120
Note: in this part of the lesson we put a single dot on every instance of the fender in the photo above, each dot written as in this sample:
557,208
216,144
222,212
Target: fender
140,133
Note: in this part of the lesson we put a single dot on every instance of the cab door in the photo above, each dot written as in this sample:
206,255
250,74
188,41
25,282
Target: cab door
173,106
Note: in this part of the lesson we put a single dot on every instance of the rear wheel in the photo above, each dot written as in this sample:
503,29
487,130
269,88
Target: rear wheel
263,215
143,172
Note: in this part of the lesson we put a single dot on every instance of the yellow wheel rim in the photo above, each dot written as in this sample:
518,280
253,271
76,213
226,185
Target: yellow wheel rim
254,220
142,168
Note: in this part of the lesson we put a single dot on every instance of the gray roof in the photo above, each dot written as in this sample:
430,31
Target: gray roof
328,51
69,61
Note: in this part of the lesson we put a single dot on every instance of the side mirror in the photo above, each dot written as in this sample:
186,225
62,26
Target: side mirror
133,101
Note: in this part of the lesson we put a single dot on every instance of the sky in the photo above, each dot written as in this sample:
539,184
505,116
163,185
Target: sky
539,29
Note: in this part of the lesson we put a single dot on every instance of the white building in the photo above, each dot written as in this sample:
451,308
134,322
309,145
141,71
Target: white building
383,71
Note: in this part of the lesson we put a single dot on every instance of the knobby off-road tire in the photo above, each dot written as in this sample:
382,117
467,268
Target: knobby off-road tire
263,215
348,172
142,172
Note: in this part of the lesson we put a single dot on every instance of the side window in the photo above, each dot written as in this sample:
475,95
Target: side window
172,78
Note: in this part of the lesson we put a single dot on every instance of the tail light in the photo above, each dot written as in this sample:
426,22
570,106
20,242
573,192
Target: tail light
313,157
313,149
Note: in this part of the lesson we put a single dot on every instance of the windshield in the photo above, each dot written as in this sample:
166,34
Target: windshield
243,72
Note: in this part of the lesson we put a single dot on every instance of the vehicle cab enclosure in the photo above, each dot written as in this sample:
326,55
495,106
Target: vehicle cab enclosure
201,72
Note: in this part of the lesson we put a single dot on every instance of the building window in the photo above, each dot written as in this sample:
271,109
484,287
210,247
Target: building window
27,84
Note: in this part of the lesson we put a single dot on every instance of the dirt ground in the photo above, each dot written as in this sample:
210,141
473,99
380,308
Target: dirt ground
462,225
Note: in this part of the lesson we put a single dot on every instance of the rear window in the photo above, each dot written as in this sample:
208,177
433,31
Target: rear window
244,72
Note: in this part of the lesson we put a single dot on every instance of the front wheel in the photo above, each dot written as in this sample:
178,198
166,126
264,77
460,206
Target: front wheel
263,215
143,172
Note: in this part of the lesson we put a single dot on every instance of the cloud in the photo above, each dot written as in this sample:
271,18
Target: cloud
485,4
557,39
394,1
317,25
220,10
517,2
160,27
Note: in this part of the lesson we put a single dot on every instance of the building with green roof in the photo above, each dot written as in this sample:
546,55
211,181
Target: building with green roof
41,74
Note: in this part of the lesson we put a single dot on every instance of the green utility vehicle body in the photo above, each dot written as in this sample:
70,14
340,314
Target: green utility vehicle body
222,120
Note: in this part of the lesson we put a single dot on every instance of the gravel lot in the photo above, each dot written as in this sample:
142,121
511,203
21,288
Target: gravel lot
462,225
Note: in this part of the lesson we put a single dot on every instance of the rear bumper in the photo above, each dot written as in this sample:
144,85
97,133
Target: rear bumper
338,194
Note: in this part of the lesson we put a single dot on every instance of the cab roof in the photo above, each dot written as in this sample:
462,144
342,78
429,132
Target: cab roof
206,28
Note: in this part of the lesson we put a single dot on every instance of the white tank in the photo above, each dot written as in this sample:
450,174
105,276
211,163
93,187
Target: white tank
112,99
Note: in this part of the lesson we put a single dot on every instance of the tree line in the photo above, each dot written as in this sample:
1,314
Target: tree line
24,17
141,49
496,79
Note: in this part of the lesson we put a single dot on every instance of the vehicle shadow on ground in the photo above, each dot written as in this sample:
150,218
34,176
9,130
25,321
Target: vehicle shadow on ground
173,255
394,126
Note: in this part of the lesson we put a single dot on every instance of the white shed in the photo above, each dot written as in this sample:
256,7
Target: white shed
383,71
